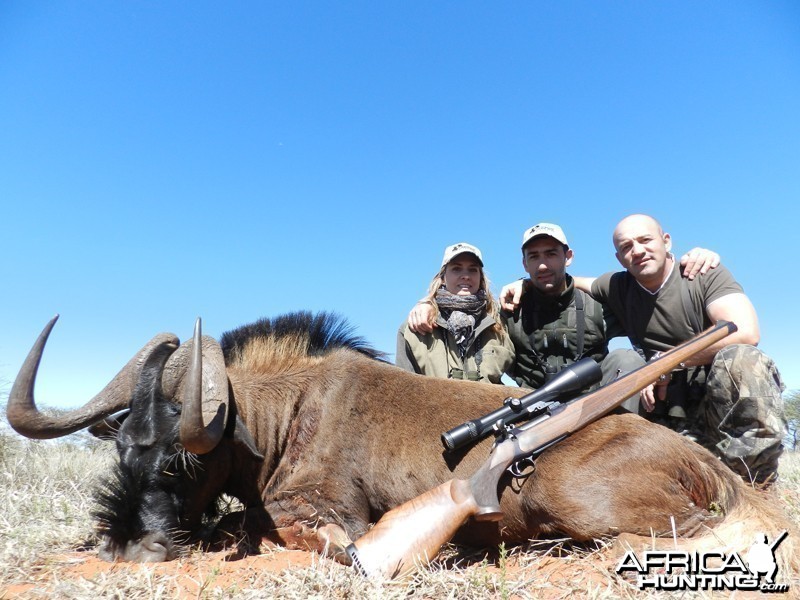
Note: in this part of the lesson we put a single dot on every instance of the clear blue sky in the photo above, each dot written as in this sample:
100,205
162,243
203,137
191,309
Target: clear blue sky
164,160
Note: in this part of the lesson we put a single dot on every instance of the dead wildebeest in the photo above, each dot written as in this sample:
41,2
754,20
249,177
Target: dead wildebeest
297,419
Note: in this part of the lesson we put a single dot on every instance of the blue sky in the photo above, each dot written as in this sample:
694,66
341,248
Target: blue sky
164,160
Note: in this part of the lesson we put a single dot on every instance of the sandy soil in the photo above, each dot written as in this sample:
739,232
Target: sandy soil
204,574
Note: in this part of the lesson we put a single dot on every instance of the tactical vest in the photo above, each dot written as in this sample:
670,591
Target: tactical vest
550,332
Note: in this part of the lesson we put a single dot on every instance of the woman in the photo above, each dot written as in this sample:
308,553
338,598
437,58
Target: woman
468,341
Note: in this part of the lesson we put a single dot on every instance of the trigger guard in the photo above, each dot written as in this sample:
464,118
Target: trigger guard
520,470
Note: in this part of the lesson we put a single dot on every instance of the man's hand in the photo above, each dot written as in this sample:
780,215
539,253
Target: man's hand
420,319
511,295
698,260
654,391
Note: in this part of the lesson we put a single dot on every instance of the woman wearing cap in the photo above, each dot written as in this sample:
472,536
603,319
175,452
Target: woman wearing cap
469,341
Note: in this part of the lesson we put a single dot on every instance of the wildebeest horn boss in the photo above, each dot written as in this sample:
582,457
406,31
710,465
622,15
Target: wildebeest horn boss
301,421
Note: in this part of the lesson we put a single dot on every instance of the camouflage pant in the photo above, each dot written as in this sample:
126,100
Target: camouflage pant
740,416
744,411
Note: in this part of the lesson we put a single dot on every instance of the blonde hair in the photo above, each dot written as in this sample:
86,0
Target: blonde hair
492,307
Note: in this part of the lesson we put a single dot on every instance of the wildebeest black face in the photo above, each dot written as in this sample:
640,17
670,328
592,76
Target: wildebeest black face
155,501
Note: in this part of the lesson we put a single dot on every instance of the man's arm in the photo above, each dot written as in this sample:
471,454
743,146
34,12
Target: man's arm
584,283
697,260
420,319
738,309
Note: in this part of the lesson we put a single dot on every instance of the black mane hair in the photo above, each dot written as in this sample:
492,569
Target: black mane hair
326,332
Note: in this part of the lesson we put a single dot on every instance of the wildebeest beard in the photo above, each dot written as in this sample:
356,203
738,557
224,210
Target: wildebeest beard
145,509
130,505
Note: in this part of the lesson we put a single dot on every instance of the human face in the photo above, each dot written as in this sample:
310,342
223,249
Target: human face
462,276
545,260
643,249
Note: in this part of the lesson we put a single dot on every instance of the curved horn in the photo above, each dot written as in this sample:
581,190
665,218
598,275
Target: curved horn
26,419
204,396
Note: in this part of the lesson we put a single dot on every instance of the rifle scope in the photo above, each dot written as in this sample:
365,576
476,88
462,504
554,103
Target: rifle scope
573,378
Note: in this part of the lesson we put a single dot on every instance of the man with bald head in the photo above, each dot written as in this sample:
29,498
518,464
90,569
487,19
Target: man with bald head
729,396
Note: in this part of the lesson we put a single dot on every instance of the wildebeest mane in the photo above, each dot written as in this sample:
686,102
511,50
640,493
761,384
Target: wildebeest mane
317,333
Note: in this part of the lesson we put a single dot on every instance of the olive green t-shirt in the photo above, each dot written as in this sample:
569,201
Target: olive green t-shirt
658,322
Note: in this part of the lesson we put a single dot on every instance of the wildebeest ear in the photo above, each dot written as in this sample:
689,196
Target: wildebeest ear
108,428
242,436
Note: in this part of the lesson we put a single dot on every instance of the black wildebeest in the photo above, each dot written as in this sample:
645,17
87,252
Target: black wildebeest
296,418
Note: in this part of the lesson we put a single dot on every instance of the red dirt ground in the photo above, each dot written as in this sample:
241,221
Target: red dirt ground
203,571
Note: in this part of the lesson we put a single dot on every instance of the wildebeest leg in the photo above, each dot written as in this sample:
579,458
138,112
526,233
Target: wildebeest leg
311,510
328,540
248,527
300,525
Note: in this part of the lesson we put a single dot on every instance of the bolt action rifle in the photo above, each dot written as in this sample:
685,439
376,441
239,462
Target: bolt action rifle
578,376
413,533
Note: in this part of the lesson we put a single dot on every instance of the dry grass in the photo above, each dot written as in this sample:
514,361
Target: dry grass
789,486
47,549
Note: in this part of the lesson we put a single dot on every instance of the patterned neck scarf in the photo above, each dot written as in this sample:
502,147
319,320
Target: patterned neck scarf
461,313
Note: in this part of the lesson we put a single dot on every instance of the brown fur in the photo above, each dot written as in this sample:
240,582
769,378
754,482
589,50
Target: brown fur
347,438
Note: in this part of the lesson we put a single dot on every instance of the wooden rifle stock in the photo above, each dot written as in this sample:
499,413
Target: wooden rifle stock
413,533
